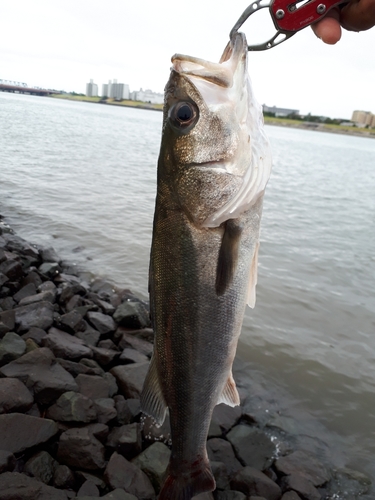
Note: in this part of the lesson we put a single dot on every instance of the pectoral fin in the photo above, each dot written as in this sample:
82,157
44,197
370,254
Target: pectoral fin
152,399
230,394
228,256
253,278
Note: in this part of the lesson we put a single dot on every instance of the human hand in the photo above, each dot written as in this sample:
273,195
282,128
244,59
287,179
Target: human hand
357,15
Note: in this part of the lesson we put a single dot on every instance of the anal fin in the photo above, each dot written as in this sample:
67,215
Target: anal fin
152,400
230,395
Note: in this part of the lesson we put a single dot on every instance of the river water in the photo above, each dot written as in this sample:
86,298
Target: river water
81,177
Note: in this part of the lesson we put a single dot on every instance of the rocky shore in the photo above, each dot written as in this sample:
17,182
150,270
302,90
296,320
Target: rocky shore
73,357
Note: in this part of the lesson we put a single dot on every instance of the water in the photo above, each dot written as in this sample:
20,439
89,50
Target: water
81,177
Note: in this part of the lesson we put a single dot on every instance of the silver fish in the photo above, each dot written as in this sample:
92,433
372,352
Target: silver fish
213,168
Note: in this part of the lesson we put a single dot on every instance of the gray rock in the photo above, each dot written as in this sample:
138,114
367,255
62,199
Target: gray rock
12,346
39,315
47,296
152,432
3,279
252,446
132,315
105,409
130,355
87,476
72,407
90,336
101,322
124,414
93,386
25,291
76,369
224,417
45,378
120,473
220,450
72,322
290,495
88,489
41,466
130,378
93,364
47,286
106,307
7,322
7,461
305,465
154,462
113,388
50,269
14,486
221,475
99,430
253,482
14,396
119,494
35,334
140,345
12,269
78,447
230,495
104,356
63,477
49,254
301,485
64,345
71,289
126,440
19,432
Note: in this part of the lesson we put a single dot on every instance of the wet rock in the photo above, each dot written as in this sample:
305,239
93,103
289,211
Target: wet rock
75,368
93,386
221,475
48,254
14,485
224,417
50,269
25,291
301,485
252,446
63,477
348,484
39,315
124,414
71,322
105,409
3,279
140,345
69,290
120,473
253,482
64,345
305,465
78,447
230,495
12,269
41,466
45,378
290,495
106,307
119,494
88,489
93,364
7,461
104,356
132,315
101,322
35,334
32,277
19,432
12,346
152,432
83,476
130,378
99,430
14,396
220,450
126,440
90,336
72,407
153,461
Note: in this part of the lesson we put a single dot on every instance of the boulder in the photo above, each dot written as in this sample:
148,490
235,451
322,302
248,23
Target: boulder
252,446
72,407
130,378
7,461
130,355
132,314
101,322
299,462
105,409
93,386
25,291
301,485
140,345
41,466
253,482
88,489
19,432
153,461
64,345
7,321
14,396
14,485
220,450
39,315
78,447
71,322
120,473
63,477
126,440
12,346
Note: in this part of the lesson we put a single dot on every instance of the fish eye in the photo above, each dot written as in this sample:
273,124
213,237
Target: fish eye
183,115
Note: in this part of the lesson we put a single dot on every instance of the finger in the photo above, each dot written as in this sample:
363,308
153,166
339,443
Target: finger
358,15
328,29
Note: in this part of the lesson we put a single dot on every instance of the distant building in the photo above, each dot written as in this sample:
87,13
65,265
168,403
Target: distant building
363,118
91,89
280,112
115,90
147,96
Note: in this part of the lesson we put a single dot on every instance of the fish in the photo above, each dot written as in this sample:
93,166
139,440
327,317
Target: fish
213,167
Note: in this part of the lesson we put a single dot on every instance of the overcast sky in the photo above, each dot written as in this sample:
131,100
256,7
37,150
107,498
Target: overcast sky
62,44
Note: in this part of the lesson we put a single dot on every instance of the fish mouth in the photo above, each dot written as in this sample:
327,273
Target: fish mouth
206,75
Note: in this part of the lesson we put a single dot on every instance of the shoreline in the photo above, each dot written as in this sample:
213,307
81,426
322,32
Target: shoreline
279,122
72,373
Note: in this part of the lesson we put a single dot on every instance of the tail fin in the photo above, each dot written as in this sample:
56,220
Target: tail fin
185,487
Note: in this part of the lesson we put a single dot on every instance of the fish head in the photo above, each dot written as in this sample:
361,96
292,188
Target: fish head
214,152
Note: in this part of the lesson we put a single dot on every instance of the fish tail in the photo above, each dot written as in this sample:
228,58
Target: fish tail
186,487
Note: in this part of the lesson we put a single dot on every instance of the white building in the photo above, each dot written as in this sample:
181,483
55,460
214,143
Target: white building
147,96
363,118
91,89
115,90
